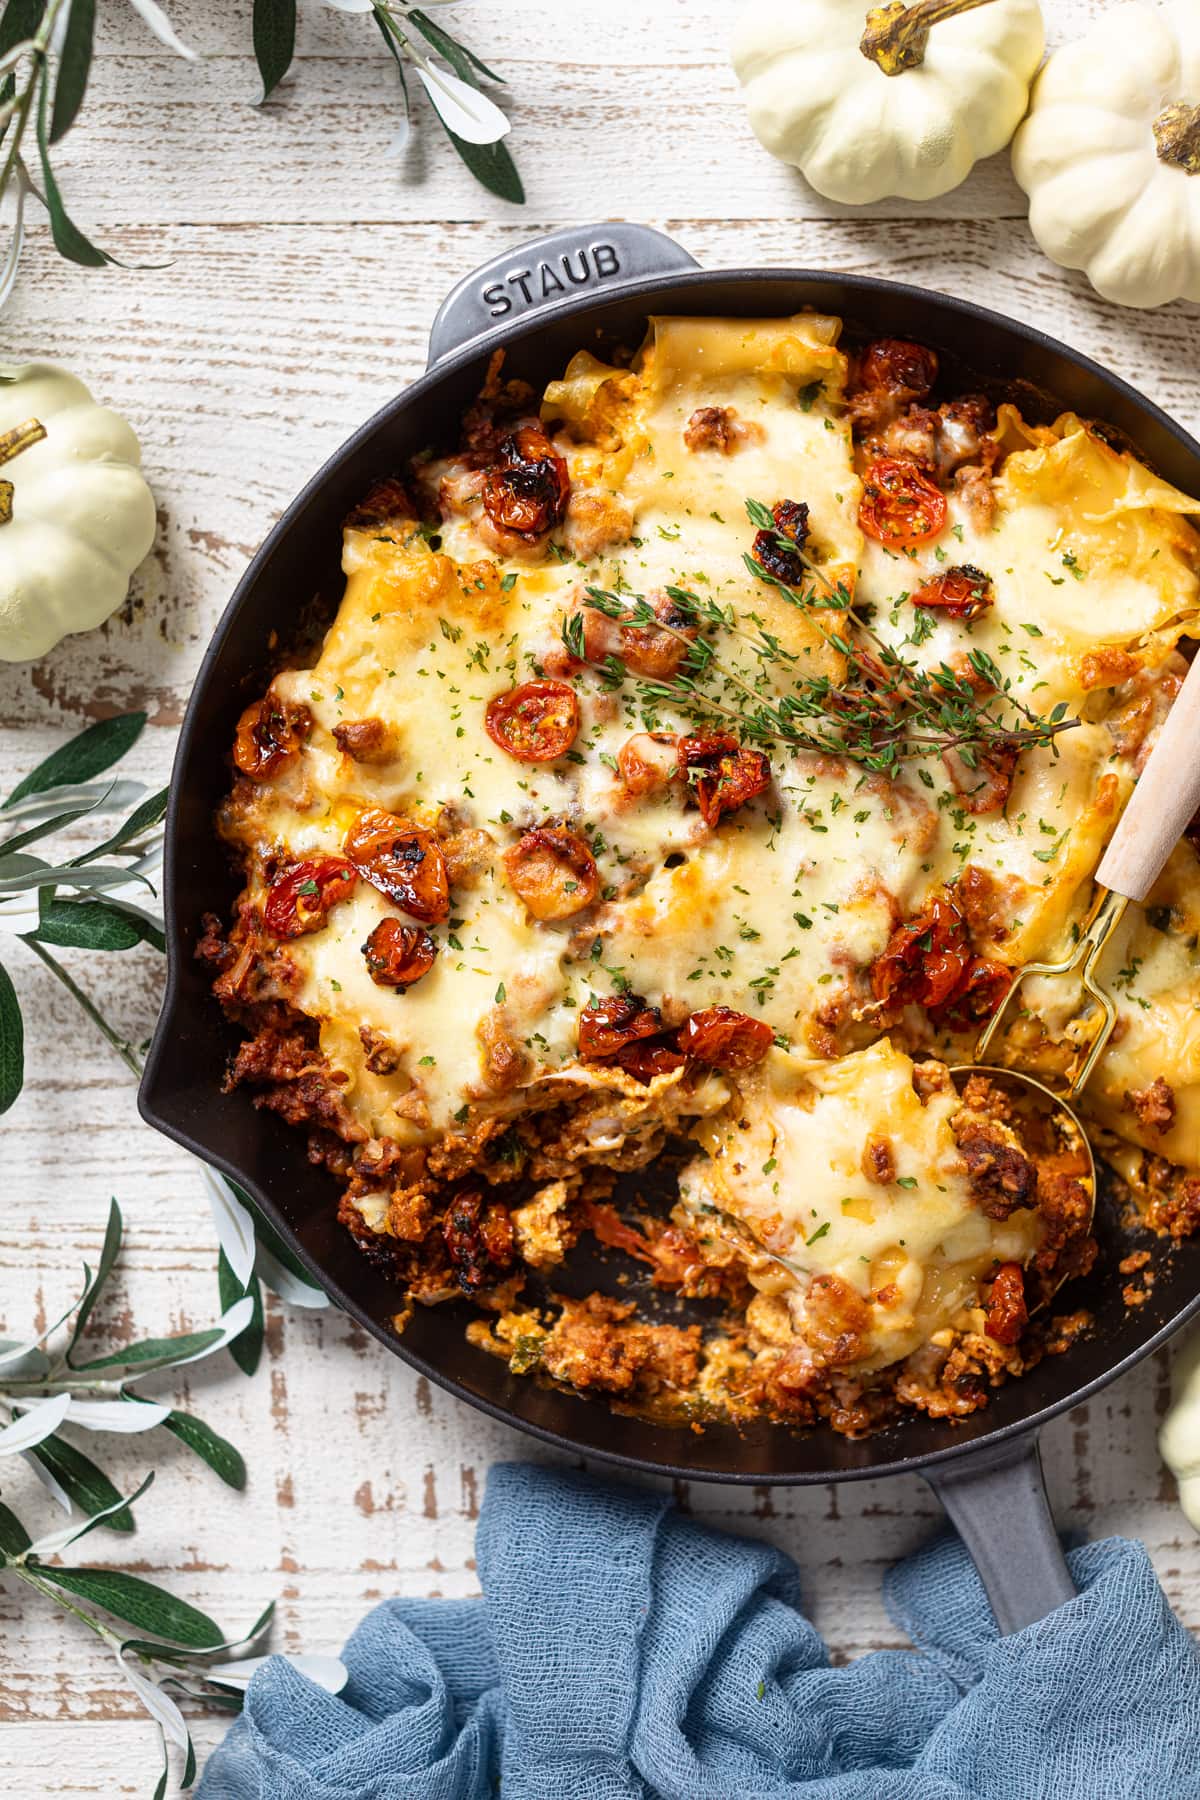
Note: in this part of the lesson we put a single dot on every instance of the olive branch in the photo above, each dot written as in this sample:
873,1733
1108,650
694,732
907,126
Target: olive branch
46,57
176,1652
104,899
887,709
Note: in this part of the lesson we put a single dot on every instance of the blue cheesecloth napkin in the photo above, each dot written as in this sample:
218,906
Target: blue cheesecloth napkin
620,1650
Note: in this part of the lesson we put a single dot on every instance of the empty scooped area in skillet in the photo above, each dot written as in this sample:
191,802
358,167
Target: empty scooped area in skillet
291,592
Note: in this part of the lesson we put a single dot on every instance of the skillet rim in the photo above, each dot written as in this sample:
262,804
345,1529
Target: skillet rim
528,325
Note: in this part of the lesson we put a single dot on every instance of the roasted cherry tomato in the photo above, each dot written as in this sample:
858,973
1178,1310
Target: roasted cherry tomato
403,860
779,552
535,722
300,900
553,872
984,785
901,506
397,954
650,1057
268,733
646,762
898,367
724,1038
721,773
964,592
925,959
1007,1313
478,1235
526,491
981,987
607,1026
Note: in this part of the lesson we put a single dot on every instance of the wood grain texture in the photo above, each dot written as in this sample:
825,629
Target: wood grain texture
304,264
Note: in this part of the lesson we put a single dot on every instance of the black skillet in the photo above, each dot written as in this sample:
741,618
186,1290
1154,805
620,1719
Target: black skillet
588,288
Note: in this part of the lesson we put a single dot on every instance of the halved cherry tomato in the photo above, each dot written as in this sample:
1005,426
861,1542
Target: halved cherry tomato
607,1026
1007,1313
300,900
901,506
403,860
898,367
527,490
553,872
725,1038
397,955
535,722
925,959
268,733
650,1057
721,773
647,761
964,592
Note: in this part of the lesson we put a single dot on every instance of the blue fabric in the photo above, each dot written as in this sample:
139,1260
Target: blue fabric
622,1650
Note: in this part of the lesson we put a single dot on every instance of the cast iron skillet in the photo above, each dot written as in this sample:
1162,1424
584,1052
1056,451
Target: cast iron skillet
576,288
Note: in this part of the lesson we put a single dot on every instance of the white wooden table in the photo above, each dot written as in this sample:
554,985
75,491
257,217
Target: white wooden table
293,262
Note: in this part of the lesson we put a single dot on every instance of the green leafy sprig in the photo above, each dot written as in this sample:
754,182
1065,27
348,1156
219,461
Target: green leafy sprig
886,709
104,898
176,1651
46,58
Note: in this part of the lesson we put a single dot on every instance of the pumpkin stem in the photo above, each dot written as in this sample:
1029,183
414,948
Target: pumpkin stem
897,35
1177,134
11,444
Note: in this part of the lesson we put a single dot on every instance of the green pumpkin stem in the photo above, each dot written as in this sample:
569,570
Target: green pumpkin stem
1177,134
897,35
11,444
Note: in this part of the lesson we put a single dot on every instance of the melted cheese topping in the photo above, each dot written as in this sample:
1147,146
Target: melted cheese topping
789,1159
774,910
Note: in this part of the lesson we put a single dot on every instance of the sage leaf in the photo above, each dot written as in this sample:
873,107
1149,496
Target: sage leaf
246,1348
141,1603
12,1042
274,41
74,64
85,924
209,1446
83,757
14,1539
38,1423
55,1542
83,1483
491,165
109,1252
464,62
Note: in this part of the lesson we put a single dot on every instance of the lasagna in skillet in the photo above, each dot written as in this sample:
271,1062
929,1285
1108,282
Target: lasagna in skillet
695,752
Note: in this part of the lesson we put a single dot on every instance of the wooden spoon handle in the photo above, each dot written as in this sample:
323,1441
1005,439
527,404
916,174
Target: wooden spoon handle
1162,803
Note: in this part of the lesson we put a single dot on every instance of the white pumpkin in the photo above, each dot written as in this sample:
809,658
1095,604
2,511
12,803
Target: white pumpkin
897,99
76,516
1179,1438
1110,155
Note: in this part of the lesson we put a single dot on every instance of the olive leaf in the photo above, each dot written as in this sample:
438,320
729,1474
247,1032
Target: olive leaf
55,1542
83,1483
86,925
82,758
14,1539
94,1284
74,65
220,1455
12,1042
246,1349
491,165
274,41
141,1603
69,241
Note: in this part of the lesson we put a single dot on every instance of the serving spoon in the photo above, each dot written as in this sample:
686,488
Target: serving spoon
1166,797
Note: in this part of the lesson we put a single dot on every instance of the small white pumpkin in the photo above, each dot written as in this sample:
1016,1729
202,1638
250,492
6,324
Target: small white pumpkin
1179,1438
896,99
76,515
1110,156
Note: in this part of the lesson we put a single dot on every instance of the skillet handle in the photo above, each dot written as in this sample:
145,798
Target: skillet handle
997,1502
548,272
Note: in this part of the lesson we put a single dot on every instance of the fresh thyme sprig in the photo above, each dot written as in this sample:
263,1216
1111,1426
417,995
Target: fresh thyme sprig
885,710
175,1650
